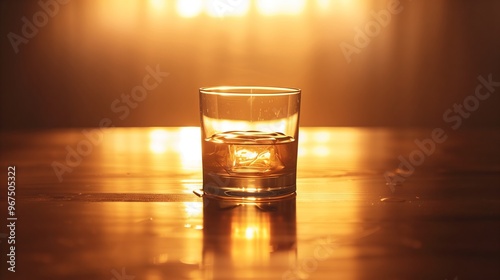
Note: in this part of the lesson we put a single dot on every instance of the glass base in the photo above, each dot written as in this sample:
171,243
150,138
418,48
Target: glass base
249,188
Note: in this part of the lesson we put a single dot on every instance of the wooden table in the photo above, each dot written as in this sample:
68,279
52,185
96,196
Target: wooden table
119,204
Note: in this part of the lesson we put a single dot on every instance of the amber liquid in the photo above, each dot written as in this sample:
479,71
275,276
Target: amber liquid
249,164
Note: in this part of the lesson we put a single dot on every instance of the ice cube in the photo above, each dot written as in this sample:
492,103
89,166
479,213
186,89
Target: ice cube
252,158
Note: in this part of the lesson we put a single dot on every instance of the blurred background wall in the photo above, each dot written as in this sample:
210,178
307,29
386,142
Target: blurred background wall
72,63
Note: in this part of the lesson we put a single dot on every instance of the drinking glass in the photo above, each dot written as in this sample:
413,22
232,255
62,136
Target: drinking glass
249,141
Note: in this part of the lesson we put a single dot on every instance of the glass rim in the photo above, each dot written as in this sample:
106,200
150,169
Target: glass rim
249,90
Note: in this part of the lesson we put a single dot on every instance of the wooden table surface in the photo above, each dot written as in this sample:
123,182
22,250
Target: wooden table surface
119,204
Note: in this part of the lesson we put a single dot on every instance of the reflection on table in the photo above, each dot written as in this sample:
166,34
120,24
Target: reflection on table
245,239
125,207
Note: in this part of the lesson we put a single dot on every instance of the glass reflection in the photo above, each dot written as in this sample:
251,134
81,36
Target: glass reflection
233,241
241,235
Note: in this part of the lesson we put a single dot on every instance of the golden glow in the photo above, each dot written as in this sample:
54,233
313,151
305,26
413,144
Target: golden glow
158,4
250,232
127,220
246,235
244,158
323,4
232,8
322,136
186,142
134,152
126,13
193,209
189,147
250,236
119,140
118,14
189,8
189,185
226,125
158,141
222,8
350,10
321,151
347,3
284,125
334,152
280,7
160,259
245,155
339,146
